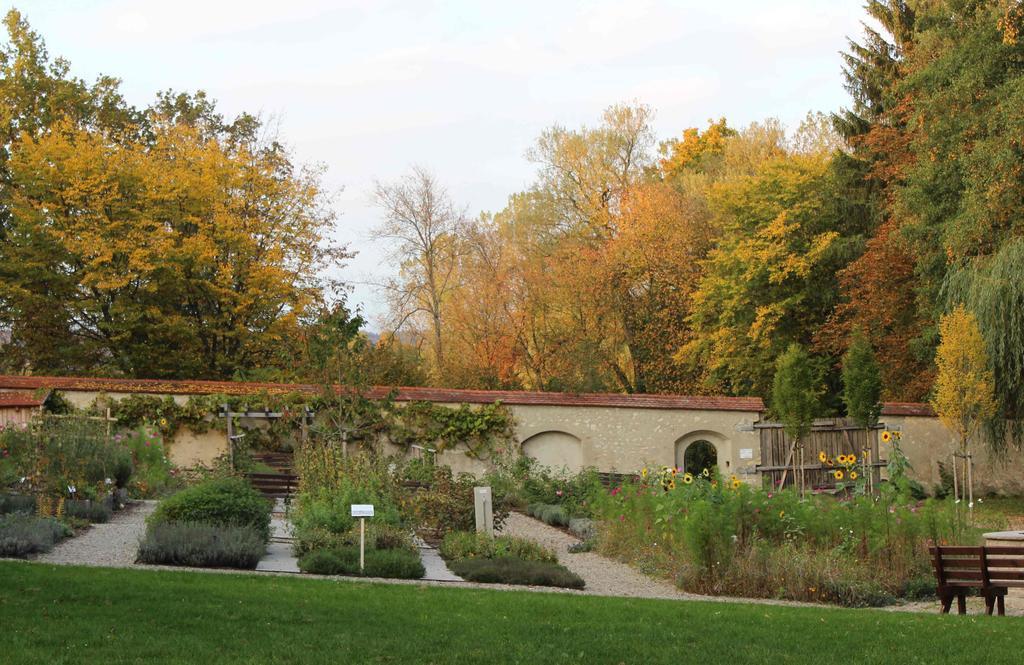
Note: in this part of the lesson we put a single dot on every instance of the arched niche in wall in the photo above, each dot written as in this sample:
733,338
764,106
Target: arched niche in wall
555,449
701,450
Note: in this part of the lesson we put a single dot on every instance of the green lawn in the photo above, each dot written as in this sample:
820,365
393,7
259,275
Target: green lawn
53,614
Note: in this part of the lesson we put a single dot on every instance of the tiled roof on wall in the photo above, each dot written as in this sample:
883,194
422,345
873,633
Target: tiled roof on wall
407,394
20,400
907,409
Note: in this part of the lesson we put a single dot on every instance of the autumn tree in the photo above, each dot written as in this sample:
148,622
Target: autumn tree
424,227
769,280
964,386
126,234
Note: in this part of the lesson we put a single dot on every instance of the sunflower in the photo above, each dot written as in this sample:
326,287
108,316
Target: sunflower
851,458
687,478
842,459
163,422
671,485
853,475
705,473
838,473
822,457
886,436
897,435
736,483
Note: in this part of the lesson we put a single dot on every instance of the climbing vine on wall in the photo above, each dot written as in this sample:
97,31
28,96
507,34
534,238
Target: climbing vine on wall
480,429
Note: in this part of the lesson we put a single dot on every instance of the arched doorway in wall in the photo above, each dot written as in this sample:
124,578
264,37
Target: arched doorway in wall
558,450
698,456
701,450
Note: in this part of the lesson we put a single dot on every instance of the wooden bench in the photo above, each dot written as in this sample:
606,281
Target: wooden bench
990,570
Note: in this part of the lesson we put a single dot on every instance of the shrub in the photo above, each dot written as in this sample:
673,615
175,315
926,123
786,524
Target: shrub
511,570
466,545
22,535
97,512
221,502
202,545
17,503
581,547
554,516
582,528
392,563
449,504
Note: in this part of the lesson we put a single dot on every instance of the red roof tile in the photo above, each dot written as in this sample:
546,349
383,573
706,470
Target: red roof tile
907,409
406,394
20,400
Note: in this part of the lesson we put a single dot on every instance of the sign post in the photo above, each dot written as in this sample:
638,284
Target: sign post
362,511
484,510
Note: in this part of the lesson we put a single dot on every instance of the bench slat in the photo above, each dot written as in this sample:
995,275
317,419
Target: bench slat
997,562
1009,550
956,549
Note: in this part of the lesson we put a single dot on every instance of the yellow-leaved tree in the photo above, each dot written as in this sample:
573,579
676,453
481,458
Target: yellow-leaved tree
964,396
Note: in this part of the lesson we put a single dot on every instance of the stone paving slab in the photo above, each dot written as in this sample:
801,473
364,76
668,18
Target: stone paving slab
437,569
278,559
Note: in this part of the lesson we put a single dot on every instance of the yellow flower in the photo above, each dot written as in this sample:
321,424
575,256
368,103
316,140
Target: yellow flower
782,513
886,436
898,435
853,475
822,457
838,473
851,458
643,472
163,422
688,478
672,485
705,473
736,483
842,459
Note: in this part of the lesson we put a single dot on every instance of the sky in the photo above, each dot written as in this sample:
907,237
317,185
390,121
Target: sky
462,88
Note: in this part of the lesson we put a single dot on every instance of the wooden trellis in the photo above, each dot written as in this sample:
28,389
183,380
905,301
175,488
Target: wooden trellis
834,437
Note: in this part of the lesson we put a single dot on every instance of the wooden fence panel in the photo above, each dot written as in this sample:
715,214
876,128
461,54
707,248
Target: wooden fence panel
834,437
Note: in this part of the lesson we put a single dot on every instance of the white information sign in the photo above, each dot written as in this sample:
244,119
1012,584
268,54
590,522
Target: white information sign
746,453
362,510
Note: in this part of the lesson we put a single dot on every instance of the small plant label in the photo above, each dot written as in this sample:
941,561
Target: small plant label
746,453
362,510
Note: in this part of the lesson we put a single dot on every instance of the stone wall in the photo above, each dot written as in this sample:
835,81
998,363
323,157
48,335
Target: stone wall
926,442
620,433
610,438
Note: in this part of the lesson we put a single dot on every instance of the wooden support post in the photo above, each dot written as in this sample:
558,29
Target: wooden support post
789,460
969,463
956,489
362,544
231,436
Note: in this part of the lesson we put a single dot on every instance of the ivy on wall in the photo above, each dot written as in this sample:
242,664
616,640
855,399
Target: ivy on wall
479,429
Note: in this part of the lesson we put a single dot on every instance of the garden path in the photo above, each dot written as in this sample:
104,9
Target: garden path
112,544
604,577
280,557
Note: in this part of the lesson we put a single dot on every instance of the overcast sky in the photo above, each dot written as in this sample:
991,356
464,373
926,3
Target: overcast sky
463,88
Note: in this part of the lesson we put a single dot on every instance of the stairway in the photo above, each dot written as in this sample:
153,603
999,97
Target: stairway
283,483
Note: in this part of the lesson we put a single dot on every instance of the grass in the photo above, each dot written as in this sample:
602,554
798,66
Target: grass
52,614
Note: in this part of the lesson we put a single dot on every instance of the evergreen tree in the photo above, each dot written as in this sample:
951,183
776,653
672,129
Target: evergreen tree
862,382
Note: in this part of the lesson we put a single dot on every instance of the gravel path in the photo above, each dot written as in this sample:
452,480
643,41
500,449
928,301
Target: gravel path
112,544
604,577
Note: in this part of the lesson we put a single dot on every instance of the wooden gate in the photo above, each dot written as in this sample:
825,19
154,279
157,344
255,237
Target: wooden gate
833,436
